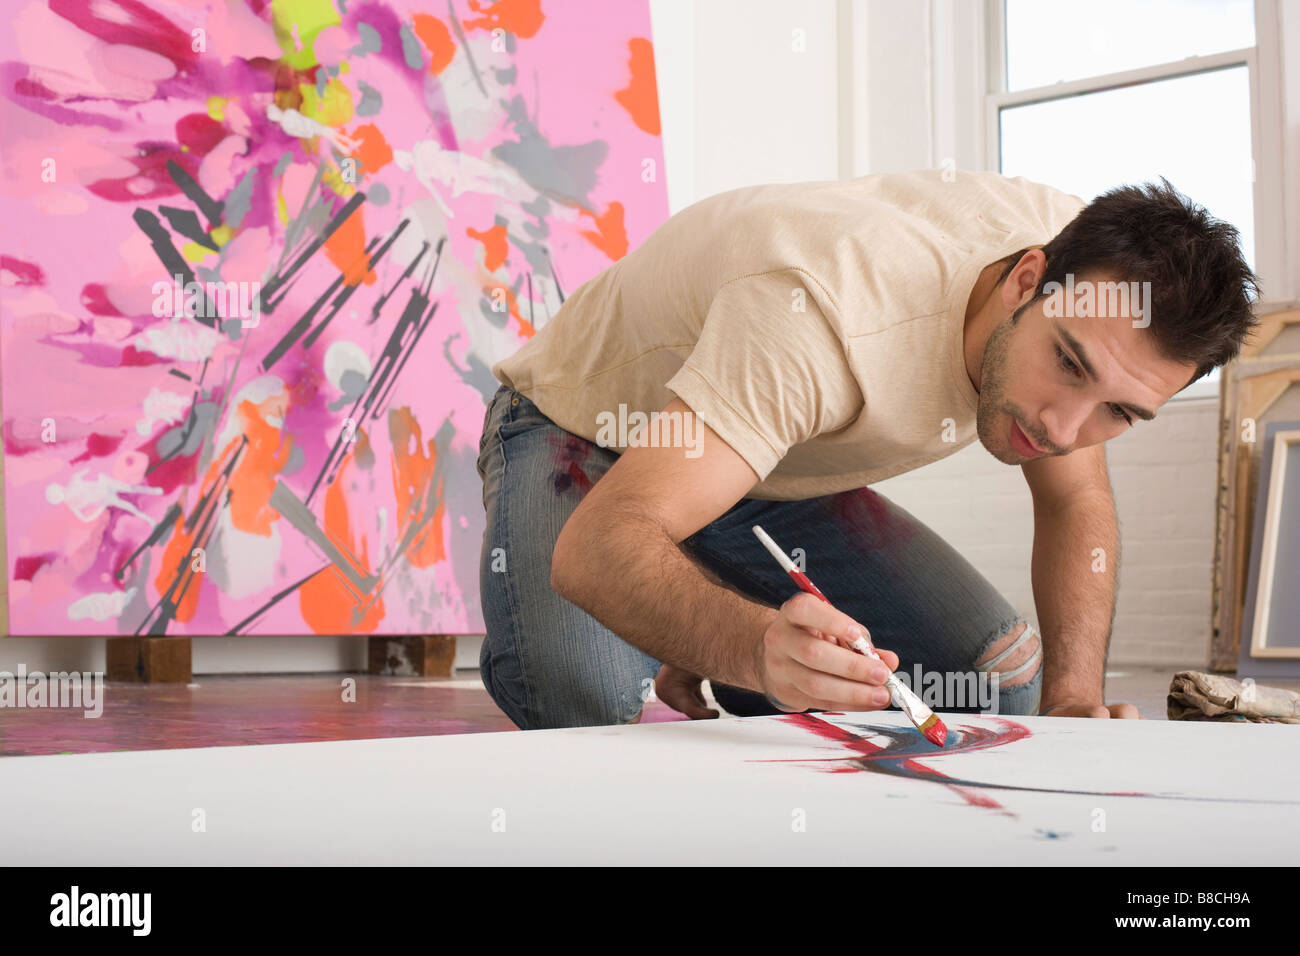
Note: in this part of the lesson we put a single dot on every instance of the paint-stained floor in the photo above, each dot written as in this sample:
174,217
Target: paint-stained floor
225,711
228,711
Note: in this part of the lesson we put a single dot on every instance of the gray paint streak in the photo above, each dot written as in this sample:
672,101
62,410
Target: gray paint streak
297,514
239,199
411,49
567,173
187,437
372,101
370,40
476,374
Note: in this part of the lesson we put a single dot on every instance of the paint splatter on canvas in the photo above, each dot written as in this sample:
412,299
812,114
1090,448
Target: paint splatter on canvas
259,259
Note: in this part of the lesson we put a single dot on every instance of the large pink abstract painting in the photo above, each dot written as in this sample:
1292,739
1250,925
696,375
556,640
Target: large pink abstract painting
258,259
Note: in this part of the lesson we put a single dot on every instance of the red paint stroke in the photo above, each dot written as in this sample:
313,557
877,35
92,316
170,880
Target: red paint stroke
150,161
24,273
35,89
132,356
894,757
94,299
97,446
200,132
897,758
176,471
523,18
641,98
131,23
26,566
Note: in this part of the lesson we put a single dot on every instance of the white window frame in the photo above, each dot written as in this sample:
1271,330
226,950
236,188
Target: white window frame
1263,65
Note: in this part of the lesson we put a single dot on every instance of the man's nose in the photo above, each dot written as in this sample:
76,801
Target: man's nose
1062,422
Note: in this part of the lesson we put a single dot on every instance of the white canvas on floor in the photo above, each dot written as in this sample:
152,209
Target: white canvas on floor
851,789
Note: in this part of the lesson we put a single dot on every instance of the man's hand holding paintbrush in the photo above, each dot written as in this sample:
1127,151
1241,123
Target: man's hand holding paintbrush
812,657
805,661
926,720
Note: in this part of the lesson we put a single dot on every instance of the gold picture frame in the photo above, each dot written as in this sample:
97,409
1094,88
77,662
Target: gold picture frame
1251,388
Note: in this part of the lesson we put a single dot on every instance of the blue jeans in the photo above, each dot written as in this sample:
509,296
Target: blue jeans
548,663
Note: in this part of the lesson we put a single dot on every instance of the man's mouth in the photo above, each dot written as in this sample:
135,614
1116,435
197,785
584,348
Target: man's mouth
1022,443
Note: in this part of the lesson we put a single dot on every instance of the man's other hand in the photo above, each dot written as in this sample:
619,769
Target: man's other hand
681,690
1080,708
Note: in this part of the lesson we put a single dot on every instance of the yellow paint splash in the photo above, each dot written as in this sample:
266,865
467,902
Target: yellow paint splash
296,24
333,179
193,252
333,109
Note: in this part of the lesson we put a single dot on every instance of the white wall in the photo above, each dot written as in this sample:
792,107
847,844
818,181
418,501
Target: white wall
748,93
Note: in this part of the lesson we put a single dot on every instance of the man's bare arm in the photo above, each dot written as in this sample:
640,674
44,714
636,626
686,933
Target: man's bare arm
618,558
1074,569
1075,572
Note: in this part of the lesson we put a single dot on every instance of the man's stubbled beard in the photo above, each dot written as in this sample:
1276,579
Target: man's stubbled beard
994,368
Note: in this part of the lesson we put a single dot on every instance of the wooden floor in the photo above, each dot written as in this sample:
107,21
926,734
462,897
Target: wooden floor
229,711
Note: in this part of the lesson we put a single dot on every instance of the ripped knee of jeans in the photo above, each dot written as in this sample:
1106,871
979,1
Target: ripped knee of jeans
1016,656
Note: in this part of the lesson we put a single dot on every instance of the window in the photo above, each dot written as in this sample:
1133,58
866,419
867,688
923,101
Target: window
1090,94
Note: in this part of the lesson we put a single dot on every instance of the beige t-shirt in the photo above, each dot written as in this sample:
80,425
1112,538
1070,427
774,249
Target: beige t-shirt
816,327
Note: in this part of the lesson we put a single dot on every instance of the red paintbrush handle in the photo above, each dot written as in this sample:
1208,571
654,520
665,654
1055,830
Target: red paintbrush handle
801,579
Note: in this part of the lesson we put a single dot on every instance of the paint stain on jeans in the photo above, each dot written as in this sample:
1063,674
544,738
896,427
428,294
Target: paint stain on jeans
870,519
570,453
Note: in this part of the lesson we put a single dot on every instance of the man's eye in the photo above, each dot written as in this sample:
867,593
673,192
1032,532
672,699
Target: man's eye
1118,412
1066,362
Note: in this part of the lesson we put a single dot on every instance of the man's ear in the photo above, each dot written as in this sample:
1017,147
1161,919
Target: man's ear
1024,279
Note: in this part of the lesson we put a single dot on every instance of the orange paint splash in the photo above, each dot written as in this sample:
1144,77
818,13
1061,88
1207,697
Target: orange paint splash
347,250
523,18
413,466
435,36
610,235
641,98
327,601
250,486
253,480
489,286
495,245
374,153
176,565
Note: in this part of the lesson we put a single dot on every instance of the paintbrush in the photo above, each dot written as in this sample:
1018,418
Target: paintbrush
926,720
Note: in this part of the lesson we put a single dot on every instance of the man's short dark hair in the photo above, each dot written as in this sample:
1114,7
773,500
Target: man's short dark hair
1202,290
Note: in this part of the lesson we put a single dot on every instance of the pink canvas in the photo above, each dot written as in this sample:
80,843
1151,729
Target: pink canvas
259,258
